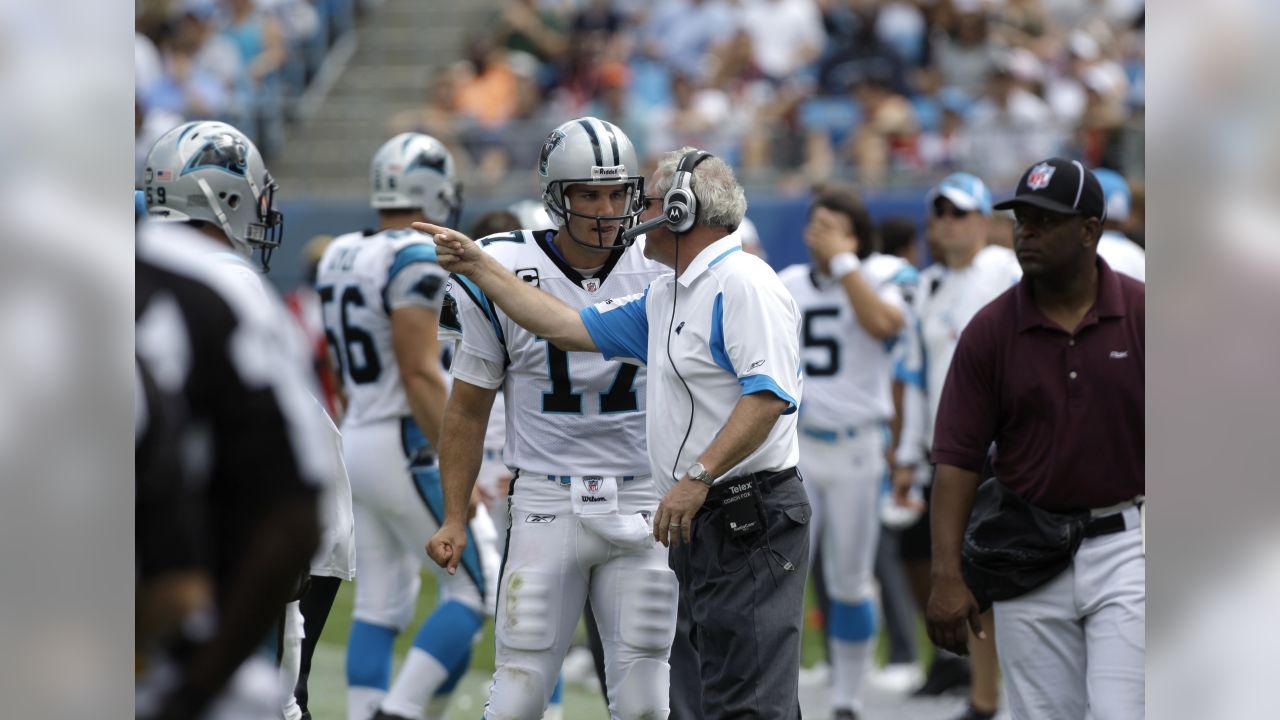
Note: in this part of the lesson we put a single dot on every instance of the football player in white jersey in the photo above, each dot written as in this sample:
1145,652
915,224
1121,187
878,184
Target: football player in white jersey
582,498
1121,253
969,274
853,313
381,296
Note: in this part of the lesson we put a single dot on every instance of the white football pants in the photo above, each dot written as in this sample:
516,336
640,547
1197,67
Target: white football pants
394,519
552,562
1078,643
843,478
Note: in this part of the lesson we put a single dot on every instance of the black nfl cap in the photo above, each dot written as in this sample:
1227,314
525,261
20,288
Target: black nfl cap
1061,186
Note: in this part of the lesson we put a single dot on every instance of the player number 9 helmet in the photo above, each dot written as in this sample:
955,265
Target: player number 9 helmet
209,171
416,171
590,151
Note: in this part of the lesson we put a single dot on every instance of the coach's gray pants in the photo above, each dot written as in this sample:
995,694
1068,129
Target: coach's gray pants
1078,642
737,646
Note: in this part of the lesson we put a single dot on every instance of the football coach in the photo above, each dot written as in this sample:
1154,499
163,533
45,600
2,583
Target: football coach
721,339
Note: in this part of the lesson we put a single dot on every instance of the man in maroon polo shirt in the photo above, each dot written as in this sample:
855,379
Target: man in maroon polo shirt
1052,373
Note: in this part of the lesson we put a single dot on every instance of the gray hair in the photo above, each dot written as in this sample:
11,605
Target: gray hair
721,200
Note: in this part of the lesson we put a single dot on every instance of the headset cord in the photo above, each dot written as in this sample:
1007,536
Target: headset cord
675,297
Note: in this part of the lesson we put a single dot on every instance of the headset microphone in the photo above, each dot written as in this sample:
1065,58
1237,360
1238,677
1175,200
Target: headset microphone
644,227
679,205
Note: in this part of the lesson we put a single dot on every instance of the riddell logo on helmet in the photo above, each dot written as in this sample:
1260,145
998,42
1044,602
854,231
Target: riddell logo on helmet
608,173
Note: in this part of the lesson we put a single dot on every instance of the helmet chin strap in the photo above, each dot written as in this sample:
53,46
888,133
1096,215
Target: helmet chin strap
223,221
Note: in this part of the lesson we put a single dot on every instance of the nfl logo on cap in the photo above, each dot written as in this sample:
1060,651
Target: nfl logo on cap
1076,191
1039,177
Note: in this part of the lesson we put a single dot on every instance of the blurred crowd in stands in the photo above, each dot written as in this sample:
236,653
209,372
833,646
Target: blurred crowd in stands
793,92
242,61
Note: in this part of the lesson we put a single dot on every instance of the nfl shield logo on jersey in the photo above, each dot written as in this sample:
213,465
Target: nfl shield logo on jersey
591,284
1039,177
592,482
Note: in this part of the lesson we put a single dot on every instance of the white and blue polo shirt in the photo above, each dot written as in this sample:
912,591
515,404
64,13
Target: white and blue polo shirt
727,328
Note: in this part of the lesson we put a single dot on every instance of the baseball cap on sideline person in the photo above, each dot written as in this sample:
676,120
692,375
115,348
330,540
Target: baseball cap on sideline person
967,192
1116,193
1060,186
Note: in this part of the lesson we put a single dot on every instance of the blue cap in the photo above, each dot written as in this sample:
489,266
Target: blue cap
200,9
966,191
1115,193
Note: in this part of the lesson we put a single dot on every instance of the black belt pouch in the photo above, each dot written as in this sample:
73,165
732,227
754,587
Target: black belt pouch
1012,547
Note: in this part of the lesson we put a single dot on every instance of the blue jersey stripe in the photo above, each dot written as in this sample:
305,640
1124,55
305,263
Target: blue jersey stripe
482,301
718,351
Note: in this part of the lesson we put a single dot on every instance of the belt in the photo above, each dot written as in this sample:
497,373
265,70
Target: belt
1114,522
567,480
766,480
493,455
830,436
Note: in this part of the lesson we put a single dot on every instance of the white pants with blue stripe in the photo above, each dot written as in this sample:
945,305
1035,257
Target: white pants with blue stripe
395,514
843,473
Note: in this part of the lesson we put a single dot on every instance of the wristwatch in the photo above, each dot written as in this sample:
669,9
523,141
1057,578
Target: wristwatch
699,473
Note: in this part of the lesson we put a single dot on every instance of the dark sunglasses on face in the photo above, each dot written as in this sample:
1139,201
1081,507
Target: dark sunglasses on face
941,209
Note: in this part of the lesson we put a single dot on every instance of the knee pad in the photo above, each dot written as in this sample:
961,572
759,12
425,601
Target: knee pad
518,693
526,617
648,608
645,692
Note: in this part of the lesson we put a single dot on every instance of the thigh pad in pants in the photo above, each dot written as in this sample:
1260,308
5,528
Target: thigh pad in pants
648,608
527,614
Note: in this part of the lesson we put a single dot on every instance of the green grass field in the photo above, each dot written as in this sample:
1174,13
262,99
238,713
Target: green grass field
328,676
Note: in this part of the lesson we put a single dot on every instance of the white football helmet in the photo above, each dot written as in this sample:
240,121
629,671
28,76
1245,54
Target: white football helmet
208,171
590,151
411,171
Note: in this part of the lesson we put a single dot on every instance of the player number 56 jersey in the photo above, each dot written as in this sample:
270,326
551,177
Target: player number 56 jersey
567,413
361,280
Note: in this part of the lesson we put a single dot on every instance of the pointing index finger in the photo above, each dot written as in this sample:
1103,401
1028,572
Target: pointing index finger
429,228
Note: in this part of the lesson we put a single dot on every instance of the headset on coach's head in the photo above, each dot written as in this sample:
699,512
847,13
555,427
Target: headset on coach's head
679,205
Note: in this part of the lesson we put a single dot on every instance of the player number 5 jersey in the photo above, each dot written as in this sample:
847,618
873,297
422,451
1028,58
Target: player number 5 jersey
848,372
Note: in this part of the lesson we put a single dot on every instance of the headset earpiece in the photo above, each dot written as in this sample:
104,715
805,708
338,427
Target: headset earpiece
680,205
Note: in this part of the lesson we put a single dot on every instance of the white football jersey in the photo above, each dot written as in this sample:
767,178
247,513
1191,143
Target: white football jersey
361,279
566,413
1123,255
848,373
946,300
